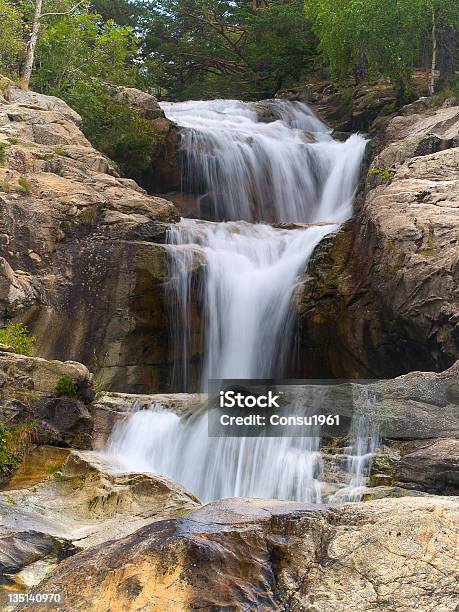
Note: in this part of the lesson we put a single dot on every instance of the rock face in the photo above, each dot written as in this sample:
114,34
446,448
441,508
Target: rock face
265,555
354,107
77,261
79,503
381,295
163,174
430,465
28,394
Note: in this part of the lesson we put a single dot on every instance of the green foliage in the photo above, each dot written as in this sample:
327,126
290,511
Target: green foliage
14,442
25,186
66,386
8,461
11,41
17,336
204,48
385,173
449,89
79,48
115,128
123,12
378,37
2,154
82,61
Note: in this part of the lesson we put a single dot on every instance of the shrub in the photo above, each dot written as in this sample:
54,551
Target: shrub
114,128
385,173
66,386
14,442
2,154
25,186
17,336
8,462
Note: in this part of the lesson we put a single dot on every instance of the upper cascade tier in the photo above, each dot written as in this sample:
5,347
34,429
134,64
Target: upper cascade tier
240,167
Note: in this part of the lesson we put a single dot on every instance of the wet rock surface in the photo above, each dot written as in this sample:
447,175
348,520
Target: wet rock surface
266,555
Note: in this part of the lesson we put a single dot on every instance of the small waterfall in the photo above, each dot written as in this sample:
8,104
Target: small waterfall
158,441
250,275
233,279
289,170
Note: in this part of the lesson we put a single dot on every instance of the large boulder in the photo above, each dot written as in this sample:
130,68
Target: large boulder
59,503
30,396
380,297
266,555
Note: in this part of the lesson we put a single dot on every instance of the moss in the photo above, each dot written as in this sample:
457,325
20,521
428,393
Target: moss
381,465
59,150
183,513
444,334
399,262
392,492
88,215
384,173
426,252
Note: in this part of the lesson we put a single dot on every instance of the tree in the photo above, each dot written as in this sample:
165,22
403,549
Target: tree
390,34
122,12
444,26
82,59
214,48
11,43
38,16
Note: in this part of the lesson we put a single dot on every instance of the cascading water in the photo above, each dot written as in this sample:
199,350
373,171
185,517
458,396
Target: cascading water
289,170
243,273
250,275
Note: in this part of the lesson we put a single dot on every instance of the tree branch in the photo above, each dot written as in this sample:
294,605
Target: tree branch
69,12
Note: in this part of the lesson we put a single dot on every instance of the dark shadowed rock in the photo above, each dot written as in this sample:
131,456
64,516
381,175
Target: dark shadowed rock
430,465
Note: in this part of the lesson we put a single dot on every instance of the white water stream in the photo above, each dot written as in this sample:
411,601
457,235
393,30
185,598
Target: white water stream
244,171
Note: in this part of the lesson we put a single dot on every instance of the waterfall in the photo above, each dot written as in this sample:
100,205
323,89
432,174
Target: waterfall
158,441
250,275
289,170
233,277
286,171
